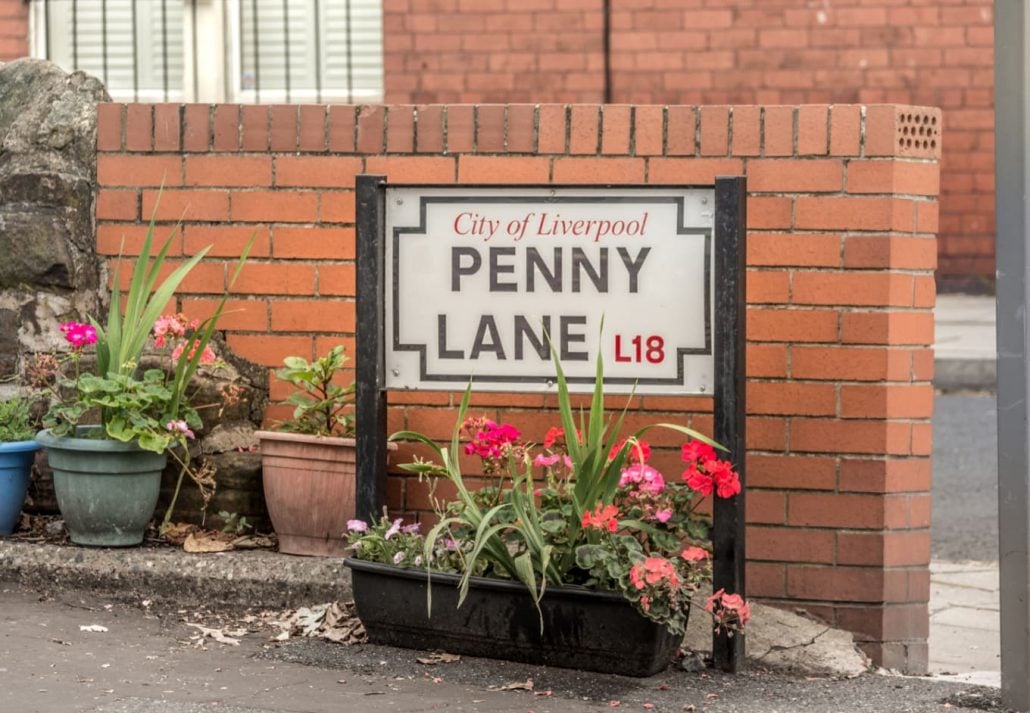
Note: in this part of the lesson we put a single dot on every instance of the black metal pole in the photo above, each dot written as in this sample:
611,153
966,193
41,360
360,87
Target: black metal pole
370,401
728,559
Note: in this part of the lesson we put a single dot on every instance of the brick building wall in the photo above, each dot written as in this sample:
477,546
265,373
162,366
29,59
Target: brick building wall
842,216
727,52
14,29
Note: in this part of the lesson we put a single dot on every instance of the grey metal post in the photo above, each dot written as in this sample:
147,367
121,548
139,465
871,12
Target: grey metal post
1012,170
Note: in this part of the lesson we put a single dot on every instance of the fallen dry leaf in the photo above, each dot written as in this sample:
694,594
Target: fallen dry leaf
526,685
216,634
253,542
177,532
439,657
206,541
334,622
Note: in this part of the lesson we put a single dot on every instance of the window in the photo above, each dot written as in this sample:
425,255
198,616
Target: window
218,50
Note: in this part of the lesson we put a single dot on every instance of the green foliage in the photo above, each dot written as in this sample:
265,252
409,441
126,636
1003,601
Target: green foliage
134,409
131,408
386,541
121,342
321,407
15,421
235,524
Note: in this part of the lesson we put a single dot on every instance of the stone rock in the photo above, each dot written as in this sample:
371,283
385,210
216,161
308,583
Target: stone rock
49,272
47,174
227,442
227,437
786,641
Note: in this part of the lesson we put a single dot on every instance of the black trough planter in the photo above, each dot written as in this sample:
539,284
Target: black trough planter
593,631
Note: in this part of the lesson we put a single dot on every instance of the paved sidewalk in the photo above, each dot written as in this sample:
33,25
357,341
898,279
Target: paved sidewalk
965,622
964,596
965,353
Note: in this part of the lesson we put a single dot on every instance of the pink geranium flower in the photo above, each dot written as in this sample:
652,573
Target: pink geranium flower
180,427
206,357
78,334
644,477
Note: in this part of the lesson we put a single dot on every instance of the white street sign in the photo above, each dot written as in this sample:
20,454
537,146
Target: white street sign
476,276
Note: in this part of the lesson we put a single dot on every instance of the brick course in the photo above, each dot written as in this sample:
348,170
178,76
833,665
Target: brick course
840,323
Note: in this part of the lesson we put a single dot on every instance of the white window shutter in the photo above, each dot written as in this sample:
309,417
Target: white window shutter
334,50
76,34
274,50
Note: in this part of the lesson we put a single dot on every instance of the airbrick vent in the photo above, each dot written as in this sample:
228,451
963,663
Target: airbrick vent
919,134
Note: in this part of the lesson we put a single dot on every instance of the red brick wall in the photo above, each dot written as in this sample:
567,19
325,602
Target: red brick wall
14,29
842,215
731,52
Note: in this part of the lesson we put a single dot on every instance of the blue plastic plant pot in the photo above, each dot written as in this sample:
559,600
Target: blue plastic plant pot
16,459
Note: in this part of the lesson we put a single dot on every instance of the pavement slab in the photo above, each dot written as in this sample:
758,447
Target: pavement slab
965,622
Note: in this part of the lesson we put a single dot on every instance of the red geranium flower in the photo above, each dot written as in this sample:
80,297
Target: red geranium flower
697,451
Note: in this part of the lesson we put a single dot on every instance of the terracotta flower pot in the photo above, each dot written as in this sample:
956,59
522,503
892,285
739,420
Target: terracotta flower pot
309,486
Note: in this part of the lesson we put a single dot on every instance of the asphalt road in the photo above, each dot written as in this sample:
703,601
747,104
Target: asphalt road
133,660
965,478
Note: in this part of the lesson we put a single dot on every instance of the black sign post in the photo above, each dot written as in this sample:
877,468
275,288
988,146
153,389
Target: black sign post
728,559
729,349
370,381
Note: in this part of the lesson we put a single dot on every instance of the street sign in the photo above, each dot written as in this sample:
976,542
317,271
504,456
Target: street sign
479,279
465,283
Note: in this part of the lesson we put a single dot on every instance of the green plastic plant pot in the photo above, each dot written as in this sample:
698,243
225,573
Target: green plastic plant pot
106,490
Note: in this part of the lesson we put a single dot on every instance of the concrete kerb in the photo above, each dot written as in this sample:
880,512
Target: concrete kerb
173,578
259,579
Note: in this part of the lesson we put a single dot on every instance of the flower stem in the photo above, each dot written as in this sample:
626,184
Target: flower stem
175,495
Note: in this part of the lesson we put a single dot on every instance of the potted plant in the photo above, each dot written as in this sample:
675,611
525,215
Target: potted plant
308,463
582,555
112,424
17,451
